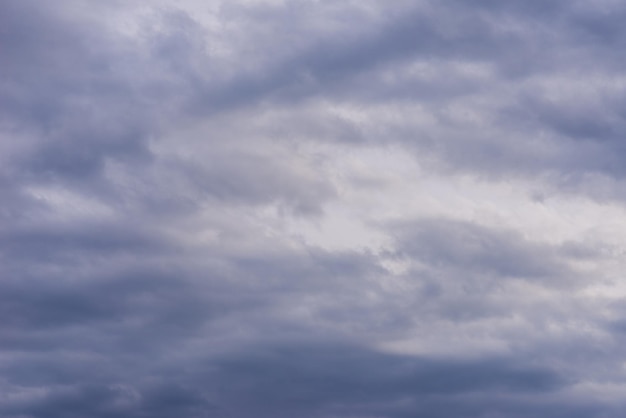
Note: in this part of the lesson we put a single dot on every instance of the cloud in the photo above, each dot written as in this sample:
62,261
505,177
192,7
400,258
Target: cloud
470,247
312,380
317,209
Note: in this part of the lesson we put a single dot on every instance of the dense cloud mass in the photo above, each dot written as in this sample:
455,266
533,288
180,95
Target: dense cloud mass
312,208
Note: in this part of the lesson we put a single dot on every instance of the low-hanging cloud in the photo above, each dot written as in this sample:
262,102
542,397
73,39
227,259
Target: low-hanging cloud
313,209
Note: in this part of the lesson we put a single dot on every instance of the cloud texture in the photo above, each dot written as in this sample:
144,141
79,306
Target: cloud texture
299,208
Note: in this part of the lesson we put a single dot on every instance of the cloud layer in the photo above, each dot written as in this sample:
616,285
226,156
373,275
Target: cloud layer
268,208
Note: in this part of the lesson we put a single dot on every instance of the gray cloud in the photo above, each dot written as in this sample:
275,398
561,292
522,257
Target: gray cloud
307,379
473,249
189,195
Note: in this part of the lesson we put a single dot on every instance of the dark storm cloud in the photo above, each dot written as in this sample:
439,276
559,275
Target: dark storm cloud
101,401
148,269
81,337
329,380
136,344
307,380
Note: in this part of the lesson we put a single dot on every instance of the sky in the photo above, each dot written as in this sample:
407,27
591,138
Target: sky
312,208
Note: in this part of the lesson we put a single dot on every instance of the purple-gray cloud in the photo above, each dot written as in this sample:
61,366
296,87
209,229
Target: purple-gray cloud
311,208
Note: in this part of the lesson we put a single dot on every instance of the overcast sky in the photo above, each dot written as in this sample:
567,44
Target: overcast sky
312,208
